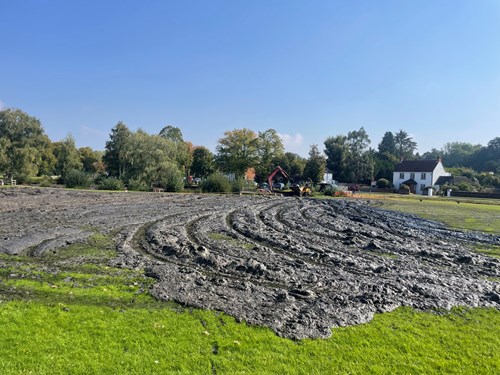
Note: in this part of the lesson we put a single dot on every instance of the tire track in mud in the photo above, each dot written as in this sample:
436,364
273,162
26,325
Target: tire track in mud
299,266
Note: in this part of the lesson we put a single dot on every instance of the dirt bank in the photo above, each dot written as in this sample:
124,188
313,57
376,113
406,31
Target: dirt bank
298,266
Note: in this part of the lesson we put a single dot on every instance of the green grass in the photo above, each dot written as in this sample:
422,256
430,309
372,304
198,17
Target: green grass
105,322
58,317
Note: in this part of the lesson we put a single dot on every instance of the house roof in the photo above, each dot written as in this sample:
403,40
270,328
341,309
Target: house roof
409,182
416,166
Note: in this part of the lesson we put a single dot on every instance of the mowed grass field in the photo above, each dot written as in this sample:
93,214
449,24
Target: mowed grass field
61,318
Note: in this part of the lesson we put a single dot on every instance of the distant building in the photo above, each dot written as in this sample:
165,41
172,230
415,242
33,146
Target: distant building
419,175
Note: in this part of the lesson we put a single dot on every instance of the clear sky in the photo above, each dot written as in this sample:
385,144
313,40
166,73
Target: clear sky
309,69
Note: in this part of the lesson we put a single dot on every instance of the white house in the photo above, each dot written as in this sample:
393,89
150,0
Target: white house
418,174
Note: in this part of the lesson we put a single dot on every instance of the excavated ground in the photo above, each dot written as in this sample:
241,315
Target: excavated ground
299,266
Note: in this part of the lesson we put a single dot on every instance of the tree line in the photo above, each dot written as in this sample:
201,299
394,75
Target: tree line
140,160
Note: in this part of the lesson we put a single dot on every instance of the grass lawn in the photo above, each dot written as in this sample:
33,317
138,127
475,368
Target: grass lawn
469,214
58,318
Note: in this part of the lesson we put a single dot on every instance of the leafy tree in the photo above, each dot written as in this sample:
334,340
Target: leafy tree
67,157
456,154
405,146
147,158
22,143
237,151
90,159
488,158
269,147
315,165
203,162
114,155
172,133
432,154
359,160
292,163
184,155
387,146
337,153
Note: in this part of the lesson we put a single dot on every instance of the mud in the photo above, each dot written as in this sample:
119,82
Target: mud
299,266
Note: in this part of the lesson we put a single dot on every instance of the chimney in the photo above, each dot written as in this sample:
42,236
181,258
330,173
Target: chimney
439,159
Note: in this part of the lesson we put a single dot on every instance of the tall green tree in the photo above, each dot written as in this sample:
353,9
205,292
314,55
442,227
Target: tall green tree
237,151
203,162
67,156
292,163
23,143
114,155
405,146
385,159
269,147
387,146
337,153
359,160
172,133
315,165
184,149
151,159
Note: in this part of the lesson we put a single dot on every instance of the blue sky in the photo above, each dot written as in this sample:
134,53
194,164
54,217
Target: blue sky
309,69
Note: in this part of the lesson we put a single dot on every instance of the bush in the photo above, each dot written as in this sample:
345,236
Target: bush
46,181
238,185
111,183
137,185
172,180
216,183
76,179
383,183
404,187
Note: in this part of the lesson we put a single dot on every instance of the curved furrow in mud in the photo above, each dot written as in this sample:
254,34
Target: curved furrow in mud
299,266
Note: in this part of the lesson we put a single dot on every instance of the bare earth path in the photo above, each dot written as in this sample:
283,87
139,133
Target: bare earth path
298,266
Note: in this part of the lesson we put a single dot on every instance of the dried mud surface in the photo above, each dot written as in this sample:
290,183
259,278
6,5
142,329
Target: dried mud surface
299,266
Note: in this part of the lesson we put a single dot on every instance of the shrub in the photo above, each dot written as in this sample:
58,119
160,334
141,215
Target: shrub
111,183
383,183
216,183
404,187
137,185
238,185
76,179
172,180
46,181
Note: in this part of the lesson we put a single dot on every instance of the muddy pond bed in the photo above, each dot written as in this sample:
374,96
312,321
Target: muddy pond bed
299,266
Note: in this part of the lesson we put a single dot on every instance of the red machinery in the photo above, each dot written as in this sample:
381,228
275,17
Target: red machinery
277,170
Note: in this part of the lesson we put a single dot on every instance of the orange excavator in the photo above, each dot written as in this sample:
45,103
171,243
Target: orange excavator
277,172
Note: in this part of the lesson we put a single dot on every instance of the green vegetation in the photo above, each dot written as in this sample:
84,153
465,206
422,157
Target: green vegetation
111,183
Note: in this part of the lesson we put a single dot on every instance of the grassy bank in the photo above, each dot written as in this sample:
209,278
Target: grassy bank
58,316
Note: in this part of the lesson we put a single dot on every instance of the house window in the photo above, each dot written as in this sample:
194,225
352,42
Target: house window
402,176
422,176
412,176
422,187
